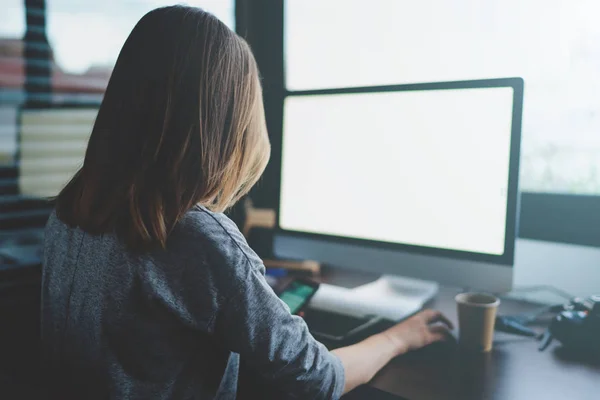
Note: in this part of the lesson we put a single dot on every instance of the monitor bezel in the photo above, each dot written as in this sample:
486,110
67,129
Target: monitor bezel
512,208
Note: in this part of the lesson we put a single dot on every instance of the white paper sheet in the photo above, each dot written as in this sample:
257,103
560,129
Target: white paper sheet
375,298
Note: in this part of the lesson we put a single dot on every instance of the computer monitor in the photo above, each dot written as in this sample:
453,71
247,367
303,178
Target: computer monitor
416,180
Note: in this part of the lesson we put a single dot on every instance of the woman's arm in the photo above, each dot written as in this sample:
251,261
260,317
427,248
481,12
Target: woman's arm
275,345
363,360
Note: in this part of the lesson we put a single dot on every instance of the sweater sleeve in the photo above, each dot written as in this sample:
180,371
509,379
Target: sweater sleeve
250,319
277,345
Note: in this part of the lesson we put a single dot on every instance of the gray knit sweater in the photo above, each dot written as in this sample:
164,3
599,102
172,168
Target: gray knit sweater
174,323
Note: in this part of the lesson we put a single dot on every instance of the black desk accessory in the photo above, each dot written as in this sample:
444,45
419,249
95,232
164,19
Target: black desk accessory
330,327
513,325
336,330
577,327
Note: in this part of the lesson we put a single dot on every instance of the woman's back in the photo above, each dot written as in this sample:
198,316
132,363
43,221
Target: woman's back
141,338
172,323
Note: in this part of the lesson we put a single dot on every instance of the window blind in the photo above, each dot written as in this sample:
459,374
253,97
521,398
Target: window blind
46,117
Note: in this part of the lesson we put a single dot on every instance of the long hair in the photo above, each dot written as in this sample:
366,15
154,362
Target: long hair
181,123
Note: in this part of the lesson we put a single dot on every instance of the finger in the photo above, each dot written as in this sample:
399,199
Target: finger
443,319
438,337
433,316
440,332
438,328
429,315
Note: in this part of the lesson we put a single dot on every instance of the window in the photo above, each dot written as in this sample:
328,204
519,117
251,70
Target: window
554,45
12,29
87,36
12,20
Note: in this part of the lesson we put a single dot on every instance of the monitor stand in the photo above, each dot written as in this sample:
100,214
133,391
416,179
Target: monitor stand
391,297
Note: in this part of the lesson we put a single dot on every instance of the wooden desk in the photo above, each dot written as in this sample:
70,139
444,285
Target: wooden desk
514,370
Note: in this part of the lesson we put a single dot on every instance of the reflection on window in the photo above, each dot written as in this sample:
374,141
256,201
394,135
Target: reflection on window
553,44
86,36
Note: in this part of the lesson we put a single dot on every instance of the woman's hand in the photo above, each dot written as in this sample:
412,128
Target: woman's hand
362,360
420,330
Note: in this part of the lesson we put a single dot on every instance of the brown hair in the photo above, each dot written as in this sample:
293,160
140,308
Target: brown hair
181,123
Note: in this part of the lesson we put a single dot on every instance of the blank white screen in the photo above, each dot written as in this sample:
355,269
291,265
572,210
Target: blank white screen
426,168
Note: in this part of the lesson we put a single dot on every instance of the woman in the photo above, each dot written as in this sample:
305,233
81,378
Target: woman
148,290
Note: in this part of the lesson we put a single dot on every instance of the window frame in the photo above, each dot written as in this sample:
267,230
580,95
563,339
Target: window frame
553,217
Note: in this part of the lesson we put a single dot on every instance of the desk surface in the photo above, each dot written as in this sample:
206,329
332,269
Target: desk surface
513,370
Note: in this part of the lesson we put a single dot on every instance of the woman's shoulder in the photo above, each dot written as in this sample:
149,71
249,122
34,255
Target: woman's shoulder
203,228
201,219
